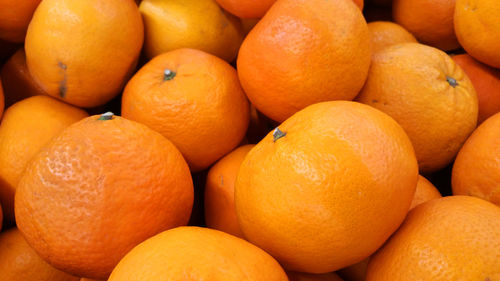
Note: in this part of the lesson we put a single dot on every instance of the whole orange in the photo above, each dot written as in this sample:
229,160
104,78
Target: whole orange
430,21
14,18
385,33
486,81
425,191
246,8
195,253
192,98
82,52
26,127
299,276
220,212
476,170
452,238
18,261
102,186
303,52
315,192
478,29
428,95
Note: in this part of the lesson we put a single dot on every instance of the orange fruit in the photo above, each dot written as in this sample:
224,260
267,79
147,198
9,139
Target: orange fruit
192,98
486,81
83,51
360,3
478,29
18,261
2,102
385,33
246,8
18,83
220,212
425,191
196,24
102,186
26,127
299,276
430,21
476,170
452,238
315,192
303,52
195,253
428,95
15,17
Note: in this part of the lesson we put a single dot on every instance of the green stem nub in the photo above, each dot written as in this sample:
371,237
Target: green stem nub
168,75
106,116
278,134
452,81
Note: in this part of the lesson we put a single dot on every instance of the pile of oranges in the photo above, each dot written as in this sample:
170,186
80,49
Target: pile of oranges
276,140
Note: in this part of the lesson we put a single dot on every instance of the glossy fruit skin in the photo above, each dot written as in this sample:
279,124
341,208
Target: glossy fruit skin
15,17
196,24
102,187
304,52
478,29
428,95
201,108
317,198
476,171
84,62
452,238
26,127
425,191
384,34
486,81
195,253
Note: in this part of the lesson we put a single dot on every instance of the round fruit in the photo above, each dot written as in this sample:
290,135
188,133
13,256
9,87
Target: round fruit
299,276
192,98
315,192
476,170
197,24
194,253
385,33
18,261
452,238
26,127
83,51
425,191
428,95
303,52
246,8
430,21
486,81
102,186
477,26
14,18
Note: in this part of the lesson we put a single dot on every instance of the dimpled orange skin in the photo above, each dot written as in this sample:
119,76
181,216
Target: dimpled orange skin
97,190
476,170
452,238
195,254
18,261
385,33
477,26
202,109
299,276
410,83
26,127
14,18
317,198
83,51
425,191
303,52
220,212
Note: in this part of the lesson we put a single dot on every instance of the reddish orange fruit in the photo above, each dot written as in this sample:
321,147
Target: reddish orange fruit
246,8
15,17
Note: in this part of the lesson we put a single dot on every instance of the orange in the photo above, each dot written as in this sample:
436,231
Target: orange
478,29
428,95
192,98
14,18
430,21
102,186
246,8
196,24
452,238
26,127
315,192
486,81
194,253
299,276
82,52
303,52
220,212
18,83
2,102
476,170
385,33
19,262
360,3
